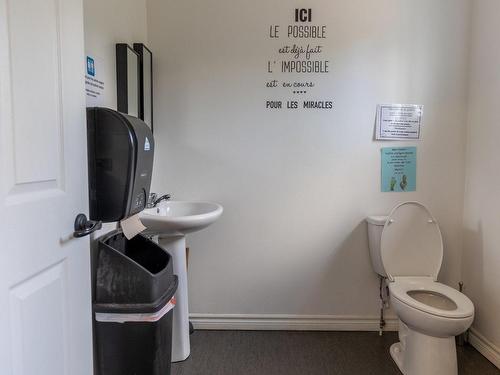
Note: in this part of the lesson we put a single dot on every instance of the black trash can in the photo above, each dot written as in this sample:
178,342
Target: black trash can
133,306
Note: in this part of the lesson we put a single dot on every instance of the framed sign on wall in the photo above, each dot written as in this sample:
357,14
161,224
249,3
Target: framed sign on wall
145,83
127,79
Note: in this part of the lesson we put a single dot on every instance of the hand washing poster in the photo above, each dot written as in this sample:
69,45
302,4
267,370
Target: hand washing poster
399,169
94,81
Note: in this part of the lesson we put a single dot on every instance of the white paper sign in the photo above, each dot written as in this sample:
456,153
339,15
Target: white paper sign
94,81
398,121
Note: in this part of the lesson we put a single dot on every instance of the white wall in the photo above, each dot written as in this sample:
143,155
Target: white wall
108,22
481,259
296,186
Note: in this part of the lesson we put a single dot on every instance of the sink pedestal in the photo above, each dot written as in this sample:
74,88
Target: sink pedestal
171,220
176,247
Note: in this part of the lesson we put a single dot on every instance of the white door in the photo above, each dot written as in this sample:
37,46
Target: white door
45,302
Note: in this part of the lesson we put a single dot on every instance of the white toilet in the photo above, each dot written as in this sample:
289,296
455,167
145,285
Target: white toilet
406,247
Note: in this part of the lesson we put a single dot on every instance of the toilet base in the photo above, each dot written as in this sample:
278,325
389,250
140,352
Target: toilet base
396,351
421,354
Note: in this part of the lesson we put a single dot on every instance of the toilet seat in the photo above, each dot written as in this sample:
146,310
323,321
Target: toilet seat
401,286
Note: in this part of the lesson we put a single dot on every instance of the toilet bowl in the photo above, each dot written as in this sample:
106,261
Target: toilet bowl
406,248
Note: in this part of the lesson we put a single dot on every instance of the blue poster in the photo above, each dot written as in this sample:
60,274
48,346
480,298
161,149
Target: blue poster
399,169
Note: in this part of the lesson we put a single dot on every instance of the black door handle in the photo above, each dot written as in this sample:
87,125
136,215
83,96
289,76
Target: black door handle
84,226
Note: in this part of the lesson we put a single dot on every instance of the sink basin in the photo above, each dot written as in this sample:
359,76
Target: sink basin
180,217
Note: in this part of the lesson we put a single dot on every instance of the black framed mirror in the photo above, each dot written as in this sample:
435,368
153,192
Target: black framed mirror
145,83
127,79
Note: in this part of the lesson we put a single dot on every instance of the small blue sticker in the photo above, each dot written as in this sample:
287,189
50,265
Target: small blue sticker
147,146
90,66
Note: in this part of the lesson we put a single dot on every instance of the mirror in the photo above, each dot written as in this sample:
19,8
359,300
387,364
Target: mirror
127,79
145,83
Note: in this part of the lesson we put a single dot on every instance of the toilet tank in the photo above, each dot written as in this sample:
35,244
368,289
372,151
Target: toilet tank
375,227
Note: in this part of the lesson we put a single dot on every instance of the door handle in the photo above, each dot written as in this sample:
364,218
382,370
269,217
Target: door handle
84,226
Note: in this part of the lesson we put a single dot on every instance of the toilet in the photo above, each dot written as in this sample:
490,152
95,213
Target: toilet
406,248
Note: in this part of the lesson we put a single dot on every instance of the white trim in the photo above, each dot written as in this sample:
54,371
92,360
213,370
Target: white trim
485,347
277,322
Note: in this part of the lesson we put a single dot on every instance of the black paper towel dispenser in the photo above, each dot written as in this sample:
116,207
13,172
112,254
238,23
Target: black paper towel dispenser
120,159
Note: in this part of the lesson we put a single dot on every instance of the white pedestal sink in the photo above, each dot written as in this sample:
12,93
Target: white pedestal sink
171,221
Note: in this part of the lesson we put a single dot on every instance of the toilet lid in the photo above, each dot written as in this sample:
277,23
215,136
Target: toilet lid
411,243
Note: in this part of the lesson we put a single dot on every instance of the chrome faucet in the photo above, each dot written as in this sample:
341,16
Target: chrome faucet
153,200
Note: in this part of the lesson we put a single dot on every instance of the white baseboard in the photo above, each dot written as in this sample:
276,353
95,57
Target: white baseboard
485,347
274,322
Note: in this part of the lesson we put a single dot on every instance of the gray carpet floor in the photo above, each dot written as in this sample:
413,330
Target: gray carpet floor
304,353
